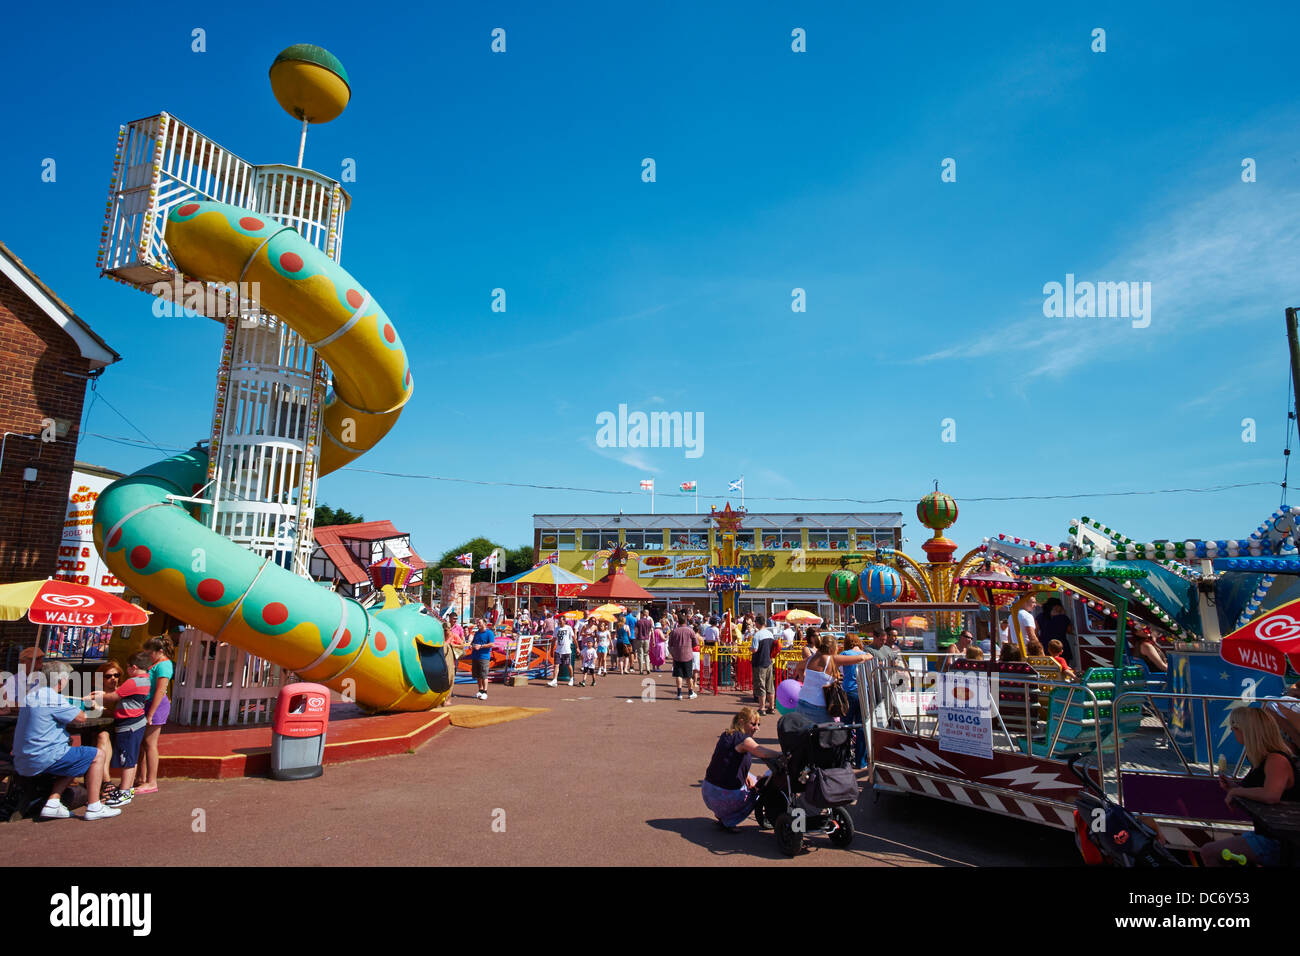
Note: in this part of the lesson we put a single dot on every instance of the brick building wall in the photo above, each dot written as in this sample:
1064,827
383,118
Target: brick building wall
43,375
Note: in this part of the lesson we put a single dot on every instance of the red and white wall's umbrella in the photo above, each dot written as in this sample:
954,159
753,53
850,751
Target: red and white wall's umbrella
64,604
1267,642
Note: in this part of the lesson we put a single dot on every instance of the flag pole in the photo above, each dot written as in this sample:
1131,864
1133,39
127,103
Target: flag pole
697,497
652,496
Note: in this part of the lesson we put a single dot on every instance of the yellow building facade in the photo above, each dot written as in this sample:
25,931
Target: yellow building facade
787,555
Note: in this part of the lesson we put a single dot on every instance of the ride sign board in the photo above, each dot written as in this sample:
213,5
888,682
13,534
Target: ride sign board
673,566
965,713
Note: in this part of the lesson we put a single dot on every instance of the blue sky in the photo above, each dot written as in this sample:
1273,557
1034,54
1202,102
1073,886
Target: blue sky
775,170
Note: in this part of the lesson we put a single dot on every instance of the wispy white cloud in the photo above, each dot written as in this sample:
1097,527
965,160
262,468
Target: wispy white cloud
631,457
1209,260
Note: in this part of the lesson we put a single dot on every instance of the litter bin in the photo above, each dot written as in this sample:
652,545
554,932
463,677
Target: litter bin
302,715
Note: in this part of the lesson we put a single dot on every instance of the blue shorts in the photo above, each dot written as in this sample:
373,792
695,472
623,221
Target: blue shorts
1266,851
126,747
74,763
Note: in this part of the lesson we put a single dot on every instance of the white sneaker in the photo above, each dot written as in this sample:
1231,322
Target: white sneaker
570,681
103,813
480,695
553,683
55,811
694,695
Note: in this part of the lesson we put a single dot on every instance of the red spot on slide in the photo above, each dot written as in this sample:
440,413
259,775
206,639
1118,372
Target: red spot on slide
275,613
114,538
210,589
140,556
250,223
389,334
290,261
346,639
355,298
188,209
380,643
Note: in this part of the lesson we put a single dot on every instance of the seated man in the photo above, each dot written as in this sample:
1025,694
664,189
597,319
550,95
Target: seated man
41,745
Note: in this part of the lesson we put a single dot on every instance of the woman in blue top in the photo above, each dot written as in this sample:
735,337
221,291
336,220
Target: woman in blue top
623,635
849,670
728,788
162,650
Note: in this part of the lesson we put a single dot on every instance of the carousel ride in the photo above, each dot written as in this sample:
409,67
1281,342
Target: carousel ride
936,589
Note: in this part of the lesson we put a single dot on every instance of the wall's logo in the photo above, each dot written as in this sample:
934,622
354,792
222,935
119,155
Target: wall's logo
68,600
1278,627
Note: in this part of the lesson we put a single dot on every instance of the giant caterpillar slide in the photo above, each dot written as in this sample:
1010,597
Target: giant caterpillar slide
390,659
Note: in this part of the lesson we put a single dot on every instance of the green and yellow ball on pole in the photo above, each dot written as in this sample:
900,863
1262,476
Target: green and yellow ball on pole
842,587
311,85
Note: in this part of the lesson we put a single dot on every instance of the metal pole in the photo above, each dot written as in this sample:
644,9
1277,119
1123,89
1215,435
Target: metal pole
1293,340
302,142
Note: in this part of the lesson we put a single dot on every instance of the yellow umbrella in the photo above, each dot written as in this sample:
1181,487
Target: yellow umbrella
610,609
15,599
599,615
573,615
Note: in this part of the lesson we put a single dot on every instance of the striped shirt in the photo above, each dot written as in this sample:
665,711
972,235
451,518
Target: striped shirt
134,694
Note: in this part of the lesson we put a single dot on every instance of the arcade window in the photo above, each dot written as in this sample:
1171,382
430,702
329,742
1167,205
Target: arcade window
650,540
595,539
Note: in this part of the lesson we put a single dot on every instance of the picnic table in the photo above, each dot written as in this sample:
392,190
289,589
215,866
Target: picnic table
1280,821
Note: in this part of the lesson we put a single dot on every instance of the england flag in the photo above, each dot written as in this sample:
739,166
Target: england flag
647,484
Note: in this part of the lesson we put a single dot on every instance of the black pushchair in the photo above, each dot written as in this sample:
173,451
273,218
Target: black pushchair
1105,832
810,785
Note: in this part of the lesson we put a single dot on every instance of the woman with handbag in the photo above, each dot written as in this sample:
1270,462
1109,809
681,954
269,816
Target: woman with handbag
822,697
817,673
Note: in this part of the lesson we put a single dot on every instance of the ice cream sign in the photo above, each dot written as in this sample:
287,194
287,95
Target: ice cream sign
1266,643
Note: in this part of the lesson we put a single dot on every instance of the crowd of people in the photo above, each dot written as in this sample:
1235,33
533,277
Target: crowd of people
136,698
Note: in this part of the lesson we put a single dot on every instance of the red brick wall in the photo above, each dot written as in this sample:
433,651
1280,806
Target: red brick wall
34,355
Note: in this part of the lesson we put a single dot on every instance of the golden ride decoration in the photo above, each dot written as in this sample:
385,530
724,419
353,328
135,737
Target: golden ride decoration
728,550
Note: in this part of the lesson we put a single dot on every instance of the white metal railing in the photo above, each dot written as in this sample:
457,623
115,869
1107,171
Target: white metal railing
161,162
217,684
1149,696
880,708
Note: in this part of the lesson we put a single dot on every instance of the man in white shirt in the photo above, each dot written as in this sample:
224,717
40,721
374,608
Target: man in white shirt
709,632
563,649
761,662
787,637
1025,624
